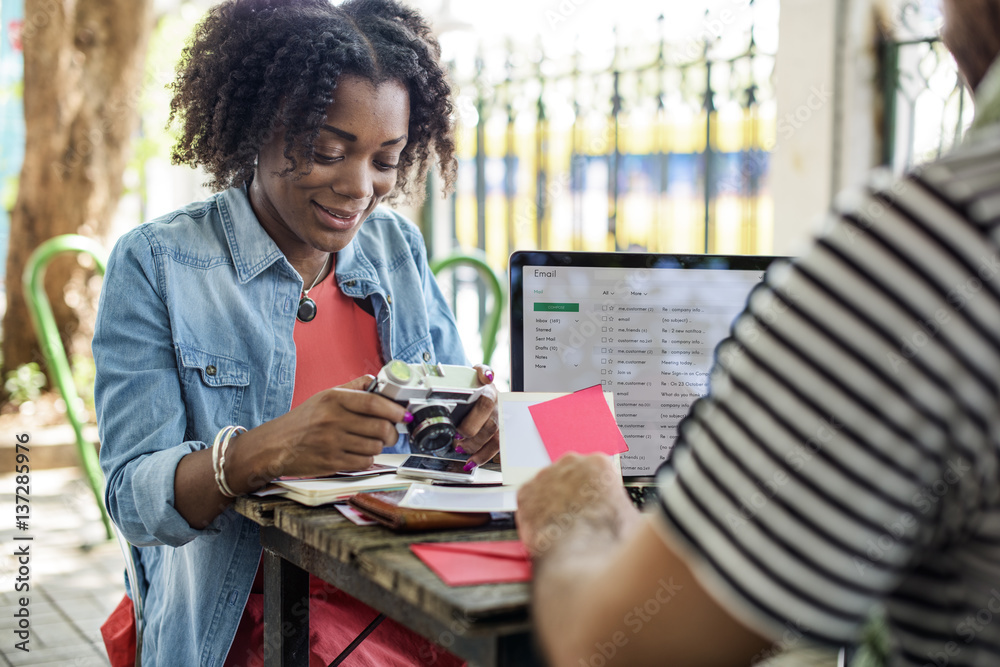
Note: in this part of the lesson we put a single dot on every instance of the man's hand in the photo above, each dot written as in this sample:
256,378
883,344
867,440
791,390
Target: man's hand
574,497
598,561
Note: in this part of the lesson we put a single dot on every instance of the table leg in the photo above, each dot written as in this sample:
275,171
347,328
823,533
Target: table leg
517,651
286,613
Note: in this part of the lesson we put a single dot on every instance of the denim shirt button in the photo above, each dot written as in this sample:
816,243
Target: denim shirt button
210,370
350,283
388,297
427,356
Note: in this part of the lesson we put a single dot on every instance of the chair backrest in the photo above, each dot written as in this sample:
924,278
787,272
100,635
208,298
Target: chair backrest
58,364
54,351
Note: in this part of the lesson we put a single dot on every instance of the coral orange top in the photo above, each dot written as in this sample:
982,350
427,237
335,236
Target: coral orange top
338,345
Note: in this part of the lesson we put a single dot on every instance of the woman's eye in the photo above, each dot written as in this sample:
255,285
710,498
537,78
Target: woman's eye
385,166
323,157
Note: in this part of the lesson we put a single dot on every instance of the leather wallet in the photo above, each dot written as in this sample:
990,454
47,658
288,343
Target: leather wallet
383,506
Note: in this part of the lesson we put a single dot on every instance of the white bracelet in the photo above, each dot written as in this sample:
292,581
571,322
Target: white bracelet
219,448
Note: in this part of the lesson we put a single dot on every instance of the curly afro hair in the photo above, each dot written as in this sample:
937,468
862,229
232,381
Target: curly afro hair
255,68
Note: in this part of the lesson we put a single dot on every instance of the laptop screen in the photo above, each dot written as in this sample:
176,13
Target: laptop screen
643,325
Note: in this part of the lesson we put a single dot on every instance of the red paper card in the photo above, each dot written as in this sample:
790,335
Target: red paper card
472,563
496,549
579,422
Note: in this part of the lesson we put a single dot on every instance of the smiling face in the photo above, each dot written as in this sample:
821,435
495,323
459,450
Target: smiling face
354,168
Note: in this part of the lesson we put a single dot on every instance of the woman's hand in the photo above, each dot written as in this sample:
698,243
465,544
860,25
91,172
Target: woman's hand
340,428
480,430
336,429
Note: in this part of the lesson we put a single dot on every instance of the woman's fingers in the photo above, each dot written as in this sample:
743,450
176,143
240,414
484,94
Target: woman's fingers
365,403
488,449
359,384
479,424
485,373
359,445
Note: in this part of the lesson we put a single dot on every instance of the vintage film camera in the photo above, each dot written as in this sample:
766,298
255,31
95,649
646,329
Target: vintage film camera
437,396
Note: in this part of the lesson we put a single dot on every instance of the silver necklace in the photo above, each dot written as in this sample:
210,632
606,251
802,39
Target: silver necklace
307,307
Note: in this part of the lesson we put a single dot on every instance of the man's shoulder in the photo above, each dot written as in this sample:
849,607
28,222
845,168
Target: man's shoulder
962,185
968,177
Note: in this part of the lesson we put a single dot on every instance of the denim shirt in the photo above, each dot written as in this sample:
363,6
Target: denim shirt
194,332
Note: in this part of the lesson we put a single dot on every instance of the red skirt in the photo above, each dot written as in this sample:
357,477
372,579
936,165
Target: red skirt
335,620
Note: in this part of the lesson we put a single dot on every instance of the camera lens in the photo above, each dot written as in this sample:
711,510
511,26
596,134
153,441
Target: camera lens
431,431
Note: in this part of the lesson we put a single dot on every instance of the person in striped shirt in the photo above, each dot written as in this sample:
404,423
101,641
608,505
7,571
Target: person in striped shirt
845,464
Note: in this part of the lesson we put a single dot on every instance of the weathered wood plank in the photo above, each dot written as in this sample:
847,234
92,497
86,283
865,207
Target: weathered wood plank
260,510
478,640
376,565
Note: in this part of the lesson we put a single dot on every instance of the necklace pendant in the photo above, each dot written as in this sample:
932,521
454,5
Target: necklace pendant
307,310
307,307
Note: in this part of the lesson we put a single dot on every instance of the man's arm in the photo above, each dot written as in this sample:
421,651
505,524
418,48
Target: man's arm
607,585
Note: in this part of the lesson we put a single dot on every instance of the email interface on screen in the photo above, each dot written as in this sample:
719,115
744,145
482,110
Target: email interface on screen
648,335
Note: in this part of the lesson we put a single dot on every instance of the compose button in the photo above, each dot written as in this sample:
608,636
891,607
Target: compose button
557,307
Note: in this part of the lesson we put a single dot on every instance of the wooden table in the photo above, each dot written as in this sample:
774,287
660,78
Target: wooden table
486,625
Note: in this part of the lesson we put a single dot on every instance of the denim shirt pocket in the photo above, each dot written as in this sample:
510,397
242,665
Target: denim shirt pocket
419,351
214,383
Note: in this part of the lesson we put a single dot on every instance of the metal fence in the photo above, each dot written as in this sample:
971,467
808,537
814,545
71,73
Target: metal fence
927,107
649,149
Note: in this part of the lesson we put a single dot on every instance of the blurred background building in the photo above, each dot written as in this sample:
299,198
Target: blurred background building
716,126
678,126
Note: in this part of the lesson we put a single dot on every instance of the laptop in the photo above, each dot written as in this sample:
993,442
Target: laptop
642,325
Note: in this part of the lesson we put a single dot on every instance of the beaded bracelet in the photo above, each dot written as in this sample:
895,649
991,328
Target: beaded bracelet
219,448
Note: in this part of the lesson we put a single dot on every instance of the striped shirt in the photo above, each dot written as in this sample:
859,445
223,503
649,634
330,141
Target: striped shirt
845,461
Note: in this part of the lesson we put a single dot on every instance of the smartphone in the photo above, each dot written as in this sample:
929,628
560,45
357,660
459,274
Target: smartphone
434,468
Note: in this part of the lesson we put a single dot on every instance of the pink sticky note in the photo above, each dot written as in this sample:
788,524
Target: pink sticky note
461,564
579,422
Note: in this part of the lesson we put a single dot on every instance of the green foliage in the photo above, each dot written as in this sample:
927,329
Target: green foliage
25,383
874,648
12,91
8,192
155,139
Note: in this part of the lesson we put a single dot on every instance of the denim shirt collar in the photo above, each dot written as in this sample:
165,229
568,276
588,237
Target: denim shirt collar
253,250
354,266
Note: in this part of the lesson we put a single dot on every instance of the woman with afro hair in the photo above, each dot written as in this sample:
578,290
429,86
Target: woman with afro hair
236,336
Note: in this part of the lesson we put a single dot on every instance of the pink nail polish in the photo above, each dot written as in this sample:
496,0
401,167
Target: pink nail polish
459,436
469,465
489,376
408,417
459,449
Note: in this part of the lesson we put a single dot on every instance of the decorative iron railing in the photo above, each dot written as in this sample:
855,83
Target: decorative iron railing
927,107
648,149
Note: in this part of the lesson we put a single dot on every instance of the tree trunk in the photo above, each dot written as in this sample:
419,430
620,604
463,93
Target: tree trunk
83,78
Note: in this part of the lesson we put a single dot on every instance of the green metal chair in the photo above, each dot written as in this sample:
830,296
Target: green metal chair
54,352
58,363
477,260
